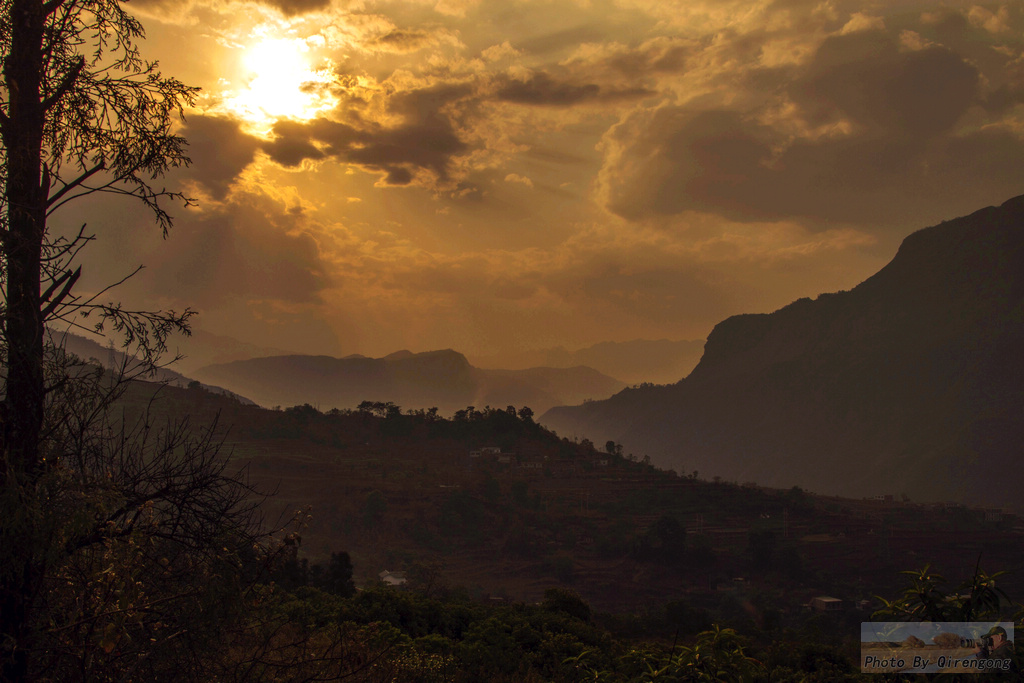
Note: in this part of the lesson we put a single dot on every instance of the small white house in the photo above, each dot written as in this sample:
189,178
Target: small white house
993,515
392,578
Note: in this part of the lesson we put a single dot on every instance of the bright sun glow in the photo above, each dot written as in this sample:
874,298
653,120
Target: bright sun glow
280,83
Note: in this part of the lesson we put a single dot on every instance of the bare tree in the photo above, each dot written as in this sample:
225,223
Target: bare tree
142,538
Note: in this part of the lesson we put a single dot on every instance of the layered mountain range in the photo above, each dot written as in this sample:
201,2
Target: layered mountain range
634,362
910,383
442,379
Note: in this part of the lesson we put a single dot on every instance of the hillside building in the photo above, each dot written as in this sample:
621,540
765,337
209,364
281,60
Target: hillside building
824,603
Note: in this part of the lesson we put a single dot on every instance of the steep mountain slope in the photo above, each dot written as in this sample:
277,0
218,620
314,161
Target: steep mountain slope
442,379
912,382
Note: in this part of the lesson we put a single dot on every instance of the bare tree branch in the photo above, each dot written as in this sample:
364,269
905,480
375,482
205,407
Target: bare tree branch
65,86
74,183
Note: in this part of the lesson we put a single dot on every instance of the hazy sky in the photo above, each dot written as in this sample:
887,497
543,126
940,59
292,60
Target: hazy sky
497,176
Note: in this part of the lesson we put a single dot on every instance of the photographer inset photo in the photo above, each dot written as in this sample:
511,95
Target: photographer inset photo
932,647
994,645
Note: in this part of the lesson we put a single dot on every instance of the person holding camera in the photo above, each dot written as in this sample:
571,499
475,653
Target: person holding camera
994,645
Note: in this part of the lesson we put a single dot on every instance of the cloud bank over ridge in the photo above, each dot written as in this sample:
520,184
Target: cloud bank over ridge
493,176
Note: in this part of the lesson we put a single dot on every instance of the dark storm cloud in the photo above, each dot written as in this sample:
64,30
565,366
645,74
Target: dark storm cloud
428,144
425,141
541,89
292,144
887,148
414,135
678,156
659,56
293,7
865,78
1003,98
153,4
559,40
398,152
402,41
719,162
219,151
954,30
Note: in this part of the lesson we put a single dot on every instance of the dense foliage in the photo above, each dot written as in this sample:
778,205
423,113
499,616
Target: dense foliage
399,635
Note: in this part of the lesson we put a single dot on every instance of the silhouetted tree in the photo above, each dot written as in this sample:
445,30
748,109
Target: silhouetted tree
111,531
81,113
337,577
566,601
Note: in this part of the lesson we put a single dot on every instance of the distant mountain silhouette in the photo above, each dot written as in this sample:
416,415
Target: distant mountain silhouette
640,360
91,350
912,382
442,379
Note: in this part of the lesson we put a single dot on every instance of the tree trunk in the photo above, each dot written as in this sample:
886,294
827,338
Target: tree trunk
23,325
26,216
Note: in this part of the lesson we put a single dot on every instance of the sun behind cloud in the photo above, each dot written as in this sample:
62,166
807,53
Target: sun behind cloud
281,82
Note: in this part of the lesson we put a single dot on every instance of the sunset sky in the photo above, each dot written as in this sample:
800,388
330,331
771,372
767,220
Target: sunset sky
502,176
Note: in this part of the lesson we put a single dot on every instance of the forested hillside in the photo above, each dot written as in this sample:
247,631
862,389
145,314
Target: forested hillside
591,563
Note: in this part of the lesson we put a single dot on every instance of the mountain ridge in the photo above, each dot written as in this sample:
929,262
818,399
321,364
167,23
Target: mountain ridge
905,381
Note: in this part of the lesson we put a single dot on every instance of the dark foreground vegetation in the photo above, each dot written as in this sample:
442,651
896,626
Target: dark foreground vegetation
326,631
245,604
153,556
238,615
